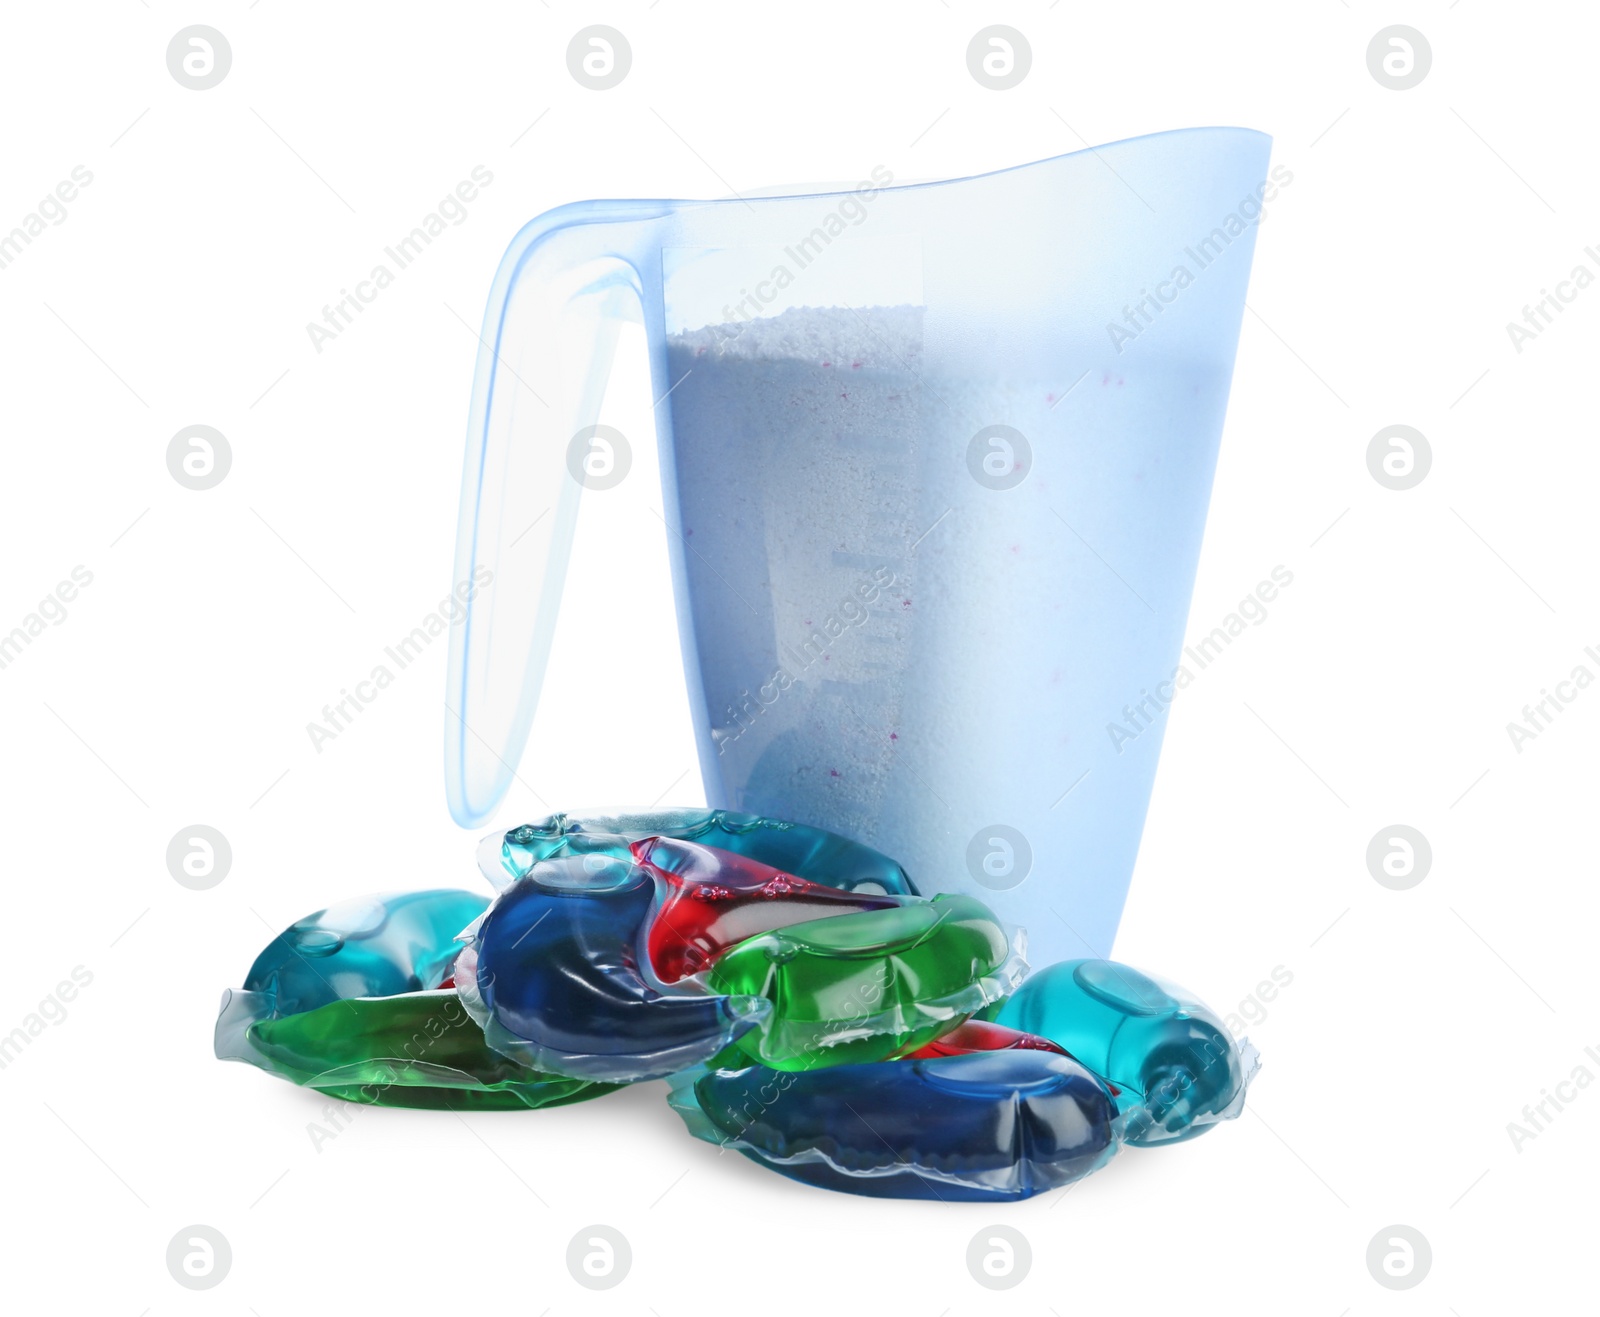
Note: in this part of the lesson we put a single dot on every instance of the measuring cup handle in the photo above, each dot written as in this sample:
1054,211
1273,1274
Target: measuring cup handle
564,286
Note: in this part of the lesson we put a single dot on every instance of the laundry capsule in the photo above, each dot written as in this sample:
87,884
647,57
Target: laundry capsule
1177,1068
616,969
357,1001
810,853
988,1125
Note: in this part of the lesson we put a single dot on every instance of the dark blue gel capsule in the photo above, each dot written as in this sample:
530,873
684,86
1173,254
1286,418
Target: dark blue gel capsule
977,1127
555,976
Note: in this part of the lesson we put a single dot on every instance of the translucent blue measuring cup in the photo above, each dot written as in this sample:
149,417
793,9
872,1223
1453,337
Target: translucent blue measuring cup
935,463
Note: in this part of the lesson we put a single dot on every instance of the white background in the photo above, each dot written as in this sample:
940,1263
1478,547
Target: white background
178,688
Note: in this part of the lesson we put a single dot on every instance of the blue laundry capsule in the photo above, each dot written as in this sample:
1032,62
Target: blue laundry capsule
976,1127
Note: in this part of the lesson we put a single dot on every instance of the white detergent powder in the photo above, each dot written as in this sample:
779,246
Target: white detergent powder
818,470
799,443
893,650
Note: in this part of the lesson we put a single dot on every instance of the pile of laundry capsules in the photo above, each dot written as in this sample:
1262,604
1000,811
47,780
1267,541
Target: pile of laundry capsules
808,1007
